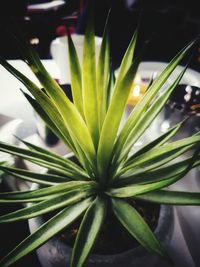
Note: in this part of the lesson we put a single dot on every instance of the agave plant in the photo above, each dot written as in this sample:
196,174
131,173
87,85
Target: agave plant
109,169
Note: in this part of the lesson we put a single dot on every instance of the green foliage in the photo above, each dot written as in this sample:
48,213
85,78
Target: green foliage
106,174
2,163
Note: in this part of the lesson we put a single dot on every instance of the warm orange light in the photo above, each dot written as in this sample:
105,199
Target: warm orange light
137,91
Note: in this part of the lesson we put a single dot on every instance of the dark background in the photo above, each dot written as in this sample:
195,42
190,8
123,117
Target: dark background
12,234
169,25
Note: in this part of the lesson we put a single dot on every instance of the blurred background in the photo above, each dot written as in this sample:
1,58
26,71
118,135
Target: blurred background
168,24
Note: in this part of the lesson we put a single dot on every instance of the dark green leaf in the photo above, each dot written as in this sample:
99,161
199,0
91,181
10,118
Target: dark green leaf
136,226
46,192
143,176
42,159
63,160
40,178
136,189
162,139
172,197
88,232
46,206
45,232
161,155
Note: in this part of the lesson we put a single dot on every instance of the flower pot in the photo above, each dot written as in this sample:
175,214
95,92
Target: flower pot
56,253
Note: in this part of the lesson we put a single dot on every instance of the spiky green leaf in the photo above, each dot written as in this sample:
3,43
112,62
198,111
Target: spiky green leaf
64,160
161,155
143,123
88,232
46,206
48,119
162,139
136,189
89,81
56,105
103,69
111,86
47,192
76,76
45,232
147,176
136,226
45,160
43,101
114,115
172,197
40,178
142,105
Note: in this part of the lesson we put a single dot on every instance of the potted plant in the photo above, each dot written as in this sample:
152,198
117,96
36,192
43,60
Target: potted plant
108,175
